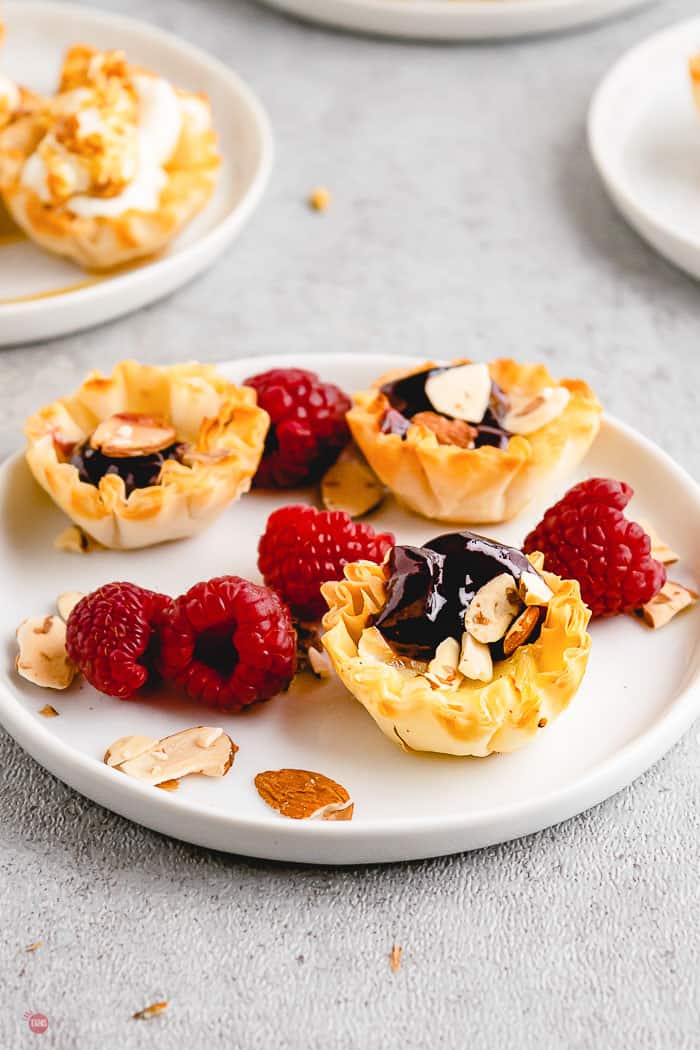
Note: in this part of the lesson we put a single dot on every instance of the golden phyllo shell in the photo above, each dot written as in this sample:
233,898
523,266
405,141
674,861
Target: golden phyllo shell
448,483
219,423
529,688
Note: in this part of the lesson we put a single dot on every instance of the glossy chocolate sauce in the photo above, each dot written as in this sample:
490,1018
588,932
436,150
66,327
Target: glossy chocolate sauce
430,588
407,398
137,472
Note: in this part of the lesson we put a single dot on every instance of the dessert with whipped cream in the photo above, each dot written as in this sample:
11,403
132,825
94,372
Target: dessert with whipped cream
111,167
147,454
471,441
463,646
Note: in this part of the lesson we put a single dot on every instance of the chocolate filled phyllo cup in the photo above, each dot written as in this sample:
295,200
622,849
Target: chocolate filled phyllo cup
147,454
463,646
473,442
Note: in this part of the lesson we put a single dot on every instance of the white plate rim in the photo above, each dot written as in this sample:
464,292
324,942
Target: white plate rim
485,826
212,242
459,19
618,187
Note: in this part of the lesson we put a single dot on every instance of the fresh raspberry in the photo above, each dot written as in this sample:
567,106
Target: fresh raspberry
302,547
307,428
112,636
586,537
228,642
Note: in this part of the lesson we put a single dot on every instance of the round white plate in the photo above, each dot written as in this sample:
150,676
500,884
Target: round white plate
639,695
456,19
41,295
644,134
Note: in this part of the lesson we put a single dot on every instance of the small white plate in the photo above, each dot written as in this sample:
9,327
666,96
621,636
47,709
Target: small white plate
456,19
41,295
644,134
640,692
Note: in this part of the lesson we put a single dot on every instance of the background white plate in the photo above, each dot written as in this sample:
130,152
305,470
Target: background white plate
37,36
456,19
644,134
639,695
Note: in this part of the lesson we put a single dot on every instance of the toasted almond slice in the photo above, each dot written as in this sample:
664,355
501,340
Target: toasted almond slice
75,541
475,661
455,432
659,548
42,657
461,392
442,669
521,629
66,602
671,599
131,434
531,412
201,749
303,795
493,608
533,590
351,485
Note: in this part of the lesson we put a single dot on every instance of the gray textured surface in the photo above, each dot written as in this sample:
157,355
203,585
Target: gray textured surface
466,218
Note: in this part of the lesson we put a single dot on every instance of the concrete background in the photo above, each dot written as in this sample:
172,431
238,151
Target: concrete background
466,219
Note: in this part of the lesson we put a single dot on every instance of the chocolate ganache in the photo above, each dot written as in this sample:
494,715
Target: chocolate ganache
137,472
429,589
407,398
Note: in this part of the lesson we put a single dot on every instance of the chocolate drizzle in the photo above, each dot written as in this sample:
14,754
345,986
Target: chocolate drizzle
407,398
137,472
430,588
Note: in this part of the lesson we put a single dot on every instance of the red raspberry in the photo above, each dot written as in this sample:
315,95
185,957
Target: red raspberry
586,537
302,547
307,428
228,643
112,636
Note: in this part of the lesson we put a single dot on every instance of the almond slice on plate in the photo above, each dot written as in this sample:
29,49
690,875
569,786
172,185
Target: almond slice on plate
351,485
42,657
659,548
201,749
671,599
130,434
304,795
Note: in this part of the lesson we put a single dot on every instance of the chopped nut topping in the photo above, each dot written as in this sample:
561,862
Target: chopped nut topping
492,609
66,602
671,599
202,749
395,958
129,434
447,431
659,548
48,711
442,669
521,629
351,485
75,541
320,199
533,590
475,660
150,1011
42,657
303,795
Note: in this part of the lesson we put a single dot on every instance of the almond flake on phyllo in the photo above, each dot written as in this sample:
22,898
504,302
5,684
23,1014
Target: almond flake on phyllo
149,453
463,646
473,442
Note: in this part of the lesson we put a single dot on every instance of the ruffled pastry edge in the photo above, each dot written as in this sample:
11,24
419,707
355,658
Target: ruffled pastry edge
483,485
222,421
530,688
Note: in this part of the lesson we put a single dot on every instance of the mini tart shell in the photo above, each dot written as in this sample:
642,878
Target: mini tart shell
105,242
529,689
221,421
482,485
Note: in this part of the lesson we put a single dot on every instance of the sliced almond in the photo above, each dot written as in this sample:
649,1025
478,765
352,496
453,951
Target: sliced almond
351,485
131,434
66,602
202,749
304,795
659,548
75,541
320,663
447,431
519,632
475,661
493,608
42,657
462,392
531,412
671,599
533,590
442,669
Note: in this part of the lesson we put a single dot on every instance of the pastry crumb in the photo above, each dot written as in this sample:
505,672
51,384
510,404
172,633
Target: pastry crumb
150,1011
395,958
34,946
75,541
48,711
320,199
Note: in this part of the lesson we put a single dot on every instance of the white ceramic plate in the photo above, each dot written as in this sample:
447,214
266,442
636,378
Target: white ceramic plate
639,695
456,19
42,296
644,134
